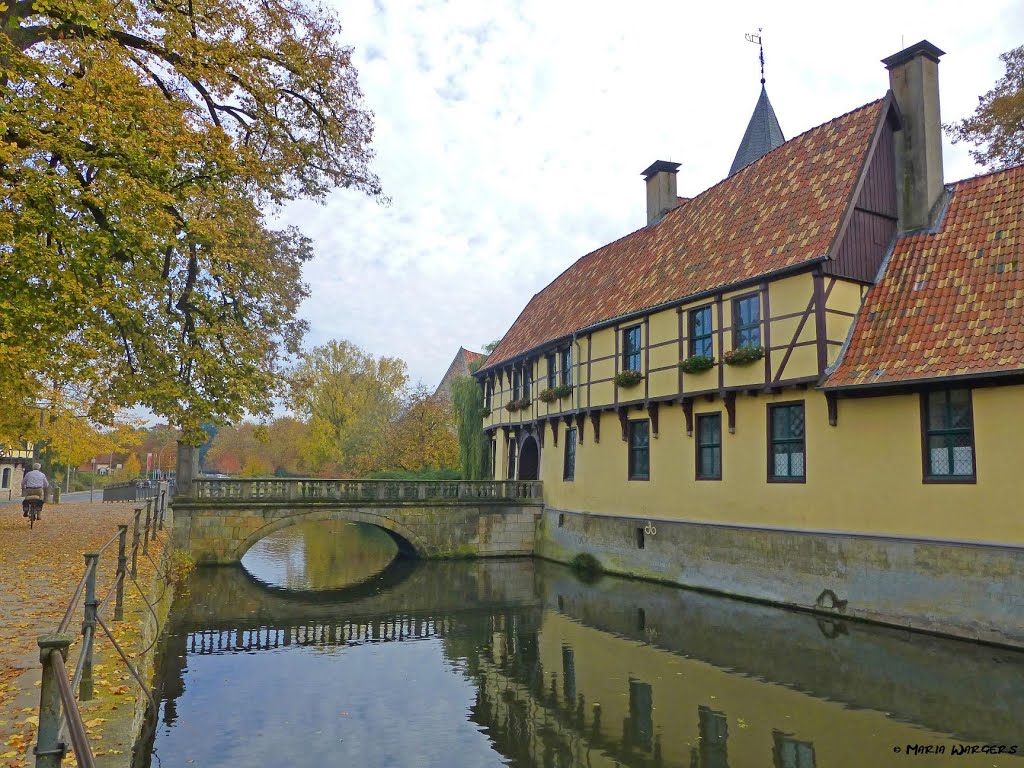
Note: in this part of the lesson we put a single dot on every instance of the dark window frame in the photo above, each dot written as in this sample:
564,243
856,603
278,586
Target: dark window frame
569,467
772,477
566,371
698,446
517,380
738,328
693,337
551,360
926,432
632,451
488,393
528,380
628,353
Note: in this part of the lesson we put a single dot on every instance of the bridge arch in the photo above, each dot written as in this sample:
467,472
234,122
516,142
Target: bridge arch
409,544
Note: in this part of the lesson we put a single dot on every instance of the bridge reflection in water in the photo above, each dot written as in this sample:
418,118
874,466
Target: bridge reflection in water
522,664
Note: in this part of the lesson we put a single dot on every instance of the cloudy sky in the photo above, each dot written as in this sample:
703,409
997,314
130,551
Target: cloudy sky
511,135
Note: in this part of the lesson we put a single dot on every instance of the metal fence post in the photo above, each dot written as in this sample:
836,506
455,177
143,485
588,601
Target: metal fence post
85,687
135,543
49,749
145,534
163,506
122,562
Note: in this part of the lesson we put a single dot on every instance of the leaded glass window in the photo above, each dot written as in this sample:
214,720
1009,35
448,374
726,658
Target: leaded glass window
552,372
516,383
746,321
949,439
787,455
700,332
709,446
569,467
631,349
639,450
567,367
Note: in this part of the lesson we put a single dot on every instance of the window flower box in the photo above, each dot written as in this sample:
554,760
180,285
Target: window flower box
555,393
518,405
485,413
628,378
743,355
697,363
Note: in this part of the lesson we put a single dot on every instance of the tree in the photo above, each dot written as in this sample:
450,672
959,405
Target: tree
468,405
997,125
349,399
142,142
421,437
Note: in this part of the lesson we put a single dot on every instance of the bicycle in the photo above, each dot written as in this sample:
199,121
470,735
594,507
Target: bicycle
32,508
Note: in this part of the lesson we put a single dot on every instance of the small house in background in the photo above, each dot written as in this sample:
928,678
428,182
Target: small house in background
104,464
463,364
14,461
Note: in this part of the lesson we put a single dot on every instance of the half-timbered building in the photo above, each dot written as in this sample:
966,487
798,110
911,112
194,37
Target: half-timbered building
800,385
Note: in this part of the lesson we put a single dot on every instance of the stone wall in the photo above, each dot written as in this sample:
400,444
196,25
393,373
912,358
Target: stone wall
962,589
222,533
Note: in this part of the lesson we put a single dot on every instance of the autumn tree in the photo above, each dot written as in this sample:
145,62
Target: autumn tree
143,144
997,126
260,450
348,398
421,437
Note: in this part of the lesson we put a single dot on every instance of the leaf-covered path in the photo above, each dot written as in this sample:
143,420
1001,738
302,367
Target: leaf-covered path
39,570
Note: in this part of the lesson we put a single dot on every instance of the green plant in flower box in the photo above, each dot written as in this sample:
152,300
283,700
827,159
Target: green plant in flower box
743,355
628,378
697,363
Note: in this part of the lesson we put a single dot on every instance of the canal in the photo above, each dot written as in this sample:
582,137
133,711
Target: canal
320,651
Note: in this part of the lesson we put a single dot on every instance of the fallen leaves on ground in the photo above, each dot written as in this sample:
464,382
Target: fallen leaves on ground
39,570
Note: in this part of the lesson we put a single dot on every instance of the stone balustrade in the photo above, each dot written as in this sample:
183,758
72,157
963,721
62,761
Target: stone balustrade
359,491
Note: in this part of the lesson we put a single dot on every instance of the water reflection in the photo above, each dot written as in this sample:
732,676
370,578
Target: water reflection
320,556
516,662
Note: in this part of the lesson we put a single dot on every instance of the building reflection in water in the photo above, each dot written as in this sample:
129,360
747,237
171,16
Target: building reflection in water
622,673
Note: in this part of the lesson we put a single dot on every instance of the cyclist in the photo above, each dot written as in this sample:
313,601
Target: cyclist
33,486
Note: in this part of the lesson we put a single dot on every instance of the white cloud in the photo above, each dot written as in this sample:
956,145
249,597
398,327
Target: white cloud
511,136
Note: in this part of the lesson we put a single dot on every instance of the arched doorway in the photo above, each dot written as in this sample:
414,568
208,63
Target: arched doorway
529,460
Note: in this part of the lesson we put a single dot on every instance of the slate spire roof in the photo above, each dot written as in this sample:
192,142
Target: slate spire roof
763,134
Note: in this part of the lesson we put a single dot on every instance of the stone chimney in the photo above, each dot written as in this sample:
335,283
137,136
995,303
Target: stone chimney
914,80
661,189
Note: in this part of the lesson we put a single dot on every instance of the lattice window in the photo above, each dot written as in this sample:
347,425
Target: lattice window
949,435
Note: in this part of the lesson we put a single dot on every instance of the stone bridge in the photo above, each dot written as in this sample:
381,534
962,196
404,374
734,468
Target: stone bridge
220,519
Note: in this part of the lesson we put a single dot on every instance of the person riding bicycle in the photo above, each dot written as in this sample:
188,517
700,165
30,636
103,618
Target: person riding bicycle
33,486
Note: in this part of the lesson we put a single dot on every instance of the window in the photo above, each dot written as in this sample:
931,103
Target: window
568,675
746,322
488,392
552,372
700,332
512,452
528,380
790,753
569,467
948,435
641,714
515,384
6,483
494,459
567,367
786,442
714,738
639,451
709,446
631,349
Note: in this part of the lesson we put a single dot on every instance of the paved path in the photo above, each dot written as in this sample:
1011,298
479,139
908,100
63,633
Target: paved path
77,497
39,570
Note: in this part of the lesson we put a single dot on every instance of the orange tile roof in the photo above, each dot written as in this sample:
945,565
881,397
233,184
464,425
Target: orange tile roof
950,303
778,212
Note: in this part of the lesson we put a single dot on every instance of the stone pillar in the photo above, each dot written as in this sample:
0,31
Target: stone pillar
188,469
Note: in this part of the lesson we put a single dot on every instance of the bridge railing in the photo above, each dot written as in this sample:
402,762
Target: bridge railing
317,489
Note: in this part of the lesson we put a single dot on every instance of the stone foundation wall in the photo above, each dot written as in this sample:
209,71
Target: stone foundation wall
222,534
967,590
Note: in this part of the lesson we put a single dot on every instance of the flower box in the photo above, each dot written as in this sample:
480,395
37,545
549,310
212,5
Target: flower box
551,394
743,355
518,405
697,363
628,378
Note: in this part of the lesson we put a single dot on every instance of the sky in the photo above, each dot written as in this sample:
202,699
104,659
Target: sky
510,137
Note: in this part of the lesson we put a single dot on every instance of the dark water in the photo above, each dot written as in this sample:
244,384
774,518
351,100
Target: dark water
517,662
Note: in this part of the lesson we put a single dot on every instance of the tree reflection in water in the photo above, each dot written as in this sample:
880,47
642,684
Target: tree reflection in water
331,554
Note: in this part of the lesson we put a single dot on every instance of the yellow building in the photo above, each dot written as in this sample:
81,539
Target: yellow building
14,462
803,385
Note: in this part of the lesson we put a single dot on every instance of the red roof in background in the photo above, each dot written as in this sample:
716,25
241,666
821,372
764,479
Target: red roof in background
780,211
949,303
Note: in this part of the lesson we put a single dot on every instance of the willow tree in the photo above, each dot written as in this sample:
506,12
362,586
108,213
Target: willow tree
144,144
468,404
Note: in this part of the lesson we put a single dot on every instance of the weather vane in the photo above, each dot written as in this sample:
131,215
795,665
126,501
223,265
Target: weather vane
752,38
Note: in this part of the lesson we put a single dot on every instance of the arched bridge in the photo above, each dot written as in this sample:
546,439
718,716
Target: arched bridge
222,518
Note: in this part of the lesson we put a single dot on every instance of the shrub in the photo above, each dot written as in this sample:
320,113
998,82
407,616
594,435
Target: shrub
586,567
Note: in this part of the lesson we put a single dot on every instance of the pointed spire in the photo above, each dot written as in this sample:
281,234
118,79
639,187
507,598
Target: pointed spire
763,132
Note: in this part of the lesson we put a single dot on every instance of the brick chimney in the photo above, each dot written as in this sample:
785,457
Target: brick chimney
914,80
661,189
